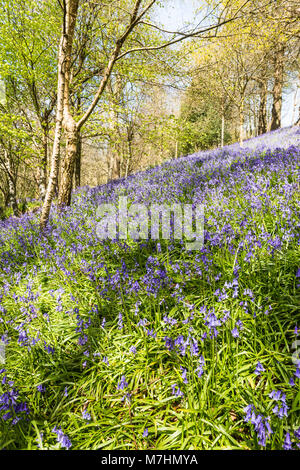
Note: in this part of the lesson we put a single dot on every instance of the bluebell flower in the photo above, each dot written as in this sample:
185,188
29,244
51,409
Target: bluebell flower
82,340
62,438
122,384
281,411
126,397
261,424
169,343
259,369
275,394
194,348
235,333
120,321
176,391
200,369
287,445
184,375
48,349
86,415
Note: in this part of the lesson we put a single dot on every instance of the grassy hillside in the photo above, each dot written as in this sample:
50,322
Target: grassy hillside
145,345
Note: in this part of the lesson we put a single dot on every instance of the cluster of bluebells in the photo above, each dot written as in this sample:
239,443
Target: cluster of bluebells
280,409
176,391
234,226
236,330
259,368
292,440
62,438
261,424
123,385
11,408
86,415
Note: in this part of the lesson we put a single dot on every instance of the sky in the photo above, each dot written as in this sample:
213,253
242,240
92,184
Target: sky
178,12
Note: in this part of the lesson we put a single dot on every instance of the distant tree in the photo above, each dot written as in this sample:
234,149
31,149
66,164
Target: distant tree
203,114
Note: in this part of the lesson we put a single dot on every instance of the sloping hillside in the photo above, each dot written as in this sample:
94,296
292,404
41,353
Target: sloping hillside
139,344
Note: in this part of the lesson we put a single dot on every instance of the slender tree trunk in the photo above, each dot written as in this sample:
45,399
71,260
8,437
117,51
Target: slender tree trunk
69,123
126,168
78,163
277,88
64,61
42,175
298,121
255,125
53,177
72,142
222,130
79,146
130,136
128,159
262,112
241,120
12,200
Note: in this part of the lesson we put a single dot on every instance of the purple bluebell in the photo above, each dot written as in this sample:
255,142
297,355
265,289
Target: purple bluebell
259,368
62,438
86,415
287,445
122,384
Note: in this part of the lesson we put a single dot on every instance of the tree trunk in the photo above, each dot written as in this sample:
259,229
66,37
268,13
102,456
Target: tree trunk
128,160
298,121
130,135
65,189
241,119
262,113
42,175
222,130
78,163
12,200
53,177
64,61
277,88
